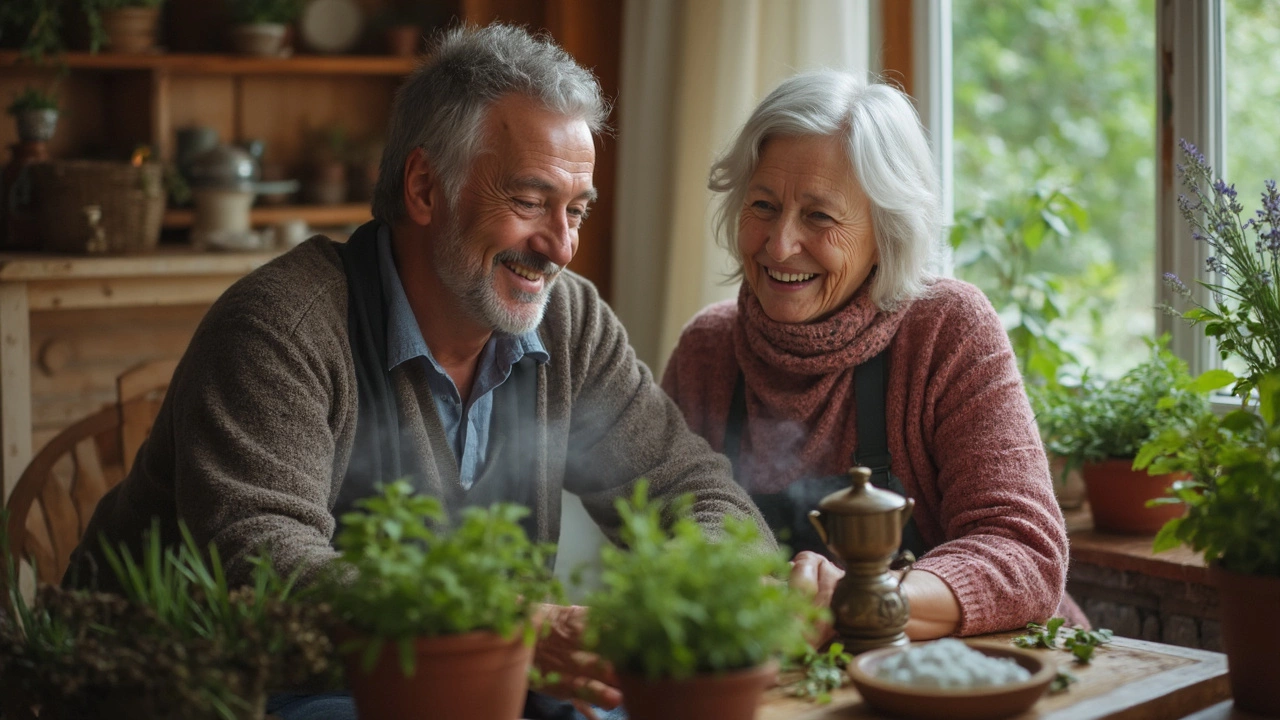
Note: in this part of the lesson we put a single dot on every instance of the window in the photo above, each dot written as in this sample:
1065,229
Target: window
1093,96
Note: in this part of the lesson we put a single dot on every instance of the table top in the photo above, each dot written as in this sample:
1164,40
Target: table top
1127,679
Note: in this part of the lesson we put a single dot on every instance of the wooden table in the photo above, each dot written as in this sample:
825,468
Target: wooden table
34,282
1127,680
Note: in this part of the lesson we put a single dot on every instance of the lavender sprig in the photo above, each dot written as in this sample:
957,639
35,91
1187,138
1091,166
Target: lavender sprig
1244,316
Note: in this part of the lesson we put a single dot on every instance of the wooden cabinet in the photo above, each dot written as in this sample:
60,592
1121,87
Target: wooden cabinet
69,325
112,103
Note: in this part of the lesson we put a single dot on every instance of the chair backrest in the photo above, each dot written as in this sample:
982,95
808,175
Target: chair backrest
54,498
140,391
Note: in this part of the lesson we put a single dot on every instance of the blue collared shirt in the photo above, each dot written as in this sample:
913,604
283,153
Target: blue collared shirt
467,426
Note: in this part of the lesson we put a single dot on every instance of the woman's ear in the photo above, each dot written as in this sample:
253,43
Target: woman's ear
421,185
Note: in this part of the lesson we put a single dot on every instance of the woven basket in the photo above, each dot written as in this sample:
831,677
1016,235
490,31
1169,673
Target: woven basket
86,206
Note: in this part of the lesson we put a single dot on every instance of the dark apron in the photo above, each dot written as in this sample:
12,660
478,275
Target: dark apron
787,512
380,452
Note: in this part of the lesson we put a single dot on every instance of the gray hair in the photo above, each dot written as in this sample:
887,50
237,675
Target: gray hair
888,151
442,106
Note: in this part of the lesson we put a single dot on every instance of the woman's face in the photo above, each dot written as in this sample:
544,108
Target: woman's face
805,232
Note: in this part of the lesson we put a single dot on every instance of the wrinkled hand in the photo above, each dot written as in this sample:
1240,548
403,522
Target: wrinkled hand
816,576
584,677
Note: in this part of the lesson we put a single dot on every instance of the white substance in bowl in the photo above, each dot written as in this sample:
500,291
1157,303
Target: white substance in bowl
949,664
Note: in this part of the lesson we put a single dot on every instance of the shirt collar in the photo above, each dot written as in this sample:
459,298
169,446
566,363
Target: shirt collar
404,338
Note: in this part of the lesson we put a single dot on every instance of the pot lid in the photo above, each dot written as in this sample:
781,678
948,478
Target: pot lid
861,497
224,166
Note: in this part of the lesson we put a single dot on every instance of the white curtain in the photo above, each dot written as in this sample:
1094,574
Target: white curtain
692,70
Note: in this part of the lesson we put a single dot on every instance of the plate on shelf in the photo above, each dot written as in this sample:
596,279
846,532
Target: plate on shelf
981,703
331,26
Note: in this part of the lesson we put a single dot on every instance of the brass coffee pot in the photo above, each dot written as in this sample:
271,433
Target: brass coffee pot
862,525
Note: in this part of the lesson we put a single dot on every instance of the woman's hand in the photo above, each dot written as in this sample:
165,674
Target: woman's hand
584,677
935,610
816,576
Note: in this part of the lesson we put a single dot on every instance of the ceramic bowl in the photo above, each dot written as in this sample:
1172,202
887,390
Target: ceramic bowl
988,703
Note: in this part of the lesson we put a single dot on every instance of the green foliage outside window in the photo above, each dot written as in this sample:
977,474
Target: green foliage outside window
1058,94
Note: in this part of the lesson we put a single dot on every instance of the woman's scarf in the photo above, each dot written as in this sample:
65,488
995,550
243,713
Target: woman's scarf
800,389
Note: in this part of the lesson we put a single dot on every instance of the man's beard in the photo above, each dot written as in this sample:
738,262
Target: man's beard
477,288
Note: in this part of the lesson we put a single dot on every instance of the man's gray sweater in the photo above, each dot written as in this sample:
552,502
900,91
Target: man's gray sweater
252,442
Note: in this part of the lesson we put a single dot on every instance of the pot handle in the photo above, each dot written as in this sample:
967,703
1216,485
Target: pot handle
817,525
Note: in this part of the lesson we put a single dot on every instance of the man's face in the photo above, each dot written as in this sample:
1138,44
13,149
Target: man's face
515,224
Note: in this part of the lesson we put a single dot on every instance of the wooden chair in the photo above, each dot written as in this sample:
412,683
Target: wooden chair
54,498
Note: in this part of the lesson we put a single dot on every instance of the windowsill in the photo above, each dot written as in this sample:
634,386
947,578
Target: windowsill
1130,553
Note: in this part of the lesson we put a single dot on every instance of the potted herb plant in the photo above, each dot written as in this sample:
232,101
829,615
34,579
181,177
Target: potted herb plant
1233,492
1102,428
1053,407
692,624
36,114
260,26
180,643
437,624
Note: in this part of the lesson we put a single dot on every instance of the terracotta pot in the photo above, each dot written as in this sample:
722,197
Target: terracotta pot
473,676
130,29
1068,486
1118,498
403,40
1250,636
730,696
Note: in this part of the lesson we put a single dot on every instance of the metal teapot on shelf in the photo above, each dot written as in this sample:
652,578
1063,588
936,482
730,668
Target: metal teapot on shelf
862,525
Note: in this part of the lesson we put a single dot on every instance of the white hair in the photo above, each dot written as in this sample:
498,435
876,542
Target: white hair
442,106
887,150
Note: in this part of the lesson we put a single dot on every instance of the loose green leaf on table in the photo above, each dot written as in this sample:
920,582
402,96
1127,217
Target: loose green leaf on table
823,672
1078,641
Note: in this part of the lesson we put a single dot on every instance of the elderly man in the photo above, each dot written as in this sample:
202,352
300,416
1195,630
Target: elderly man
445,341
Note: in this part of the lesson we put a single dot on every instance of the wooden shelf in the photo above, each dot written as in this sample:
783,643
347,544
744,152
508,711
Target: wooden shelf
190,64
315,215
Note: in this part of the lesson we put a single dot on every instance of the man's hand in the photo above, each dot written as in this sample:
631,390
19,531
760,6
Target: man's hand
817,576
584,677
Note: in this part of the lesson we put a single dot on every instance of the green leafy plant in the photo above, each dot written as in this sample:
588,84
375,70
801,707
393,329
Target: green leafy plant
399,578
1113,419
181,642
32,99
265,11
36,25
1078,641
1233,494
674,602
822,672
1004,247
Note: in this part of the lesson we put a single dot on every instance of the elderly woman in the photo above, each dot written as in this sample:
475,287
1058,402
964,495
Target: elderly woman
842,348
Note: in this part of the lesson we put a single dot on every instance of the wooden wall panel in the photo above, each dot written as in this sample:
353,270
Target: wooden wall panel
203,100
285,112
76,356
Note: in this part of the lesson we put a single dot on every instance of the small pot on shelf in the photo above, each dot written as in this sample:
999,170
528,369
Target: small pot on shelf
259,39
1118,497
36,124
130,29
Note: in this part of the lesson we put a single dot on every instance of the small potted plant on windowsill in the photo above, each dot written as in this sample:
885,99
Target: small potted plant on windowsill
1233,493
1053,407
1103,427
692,624
261,26
36,114
437,624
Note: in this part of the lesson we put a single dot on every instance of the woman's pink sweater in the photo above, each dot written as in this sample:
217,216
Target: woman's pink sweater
962,435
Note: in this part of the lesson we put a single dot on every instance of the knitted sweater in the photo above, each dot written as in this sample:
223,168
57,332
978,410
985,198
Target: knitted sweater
252,442
961,434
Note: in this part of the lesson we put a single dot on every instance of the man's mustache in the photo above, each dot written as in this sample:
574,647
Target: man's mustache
533,261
